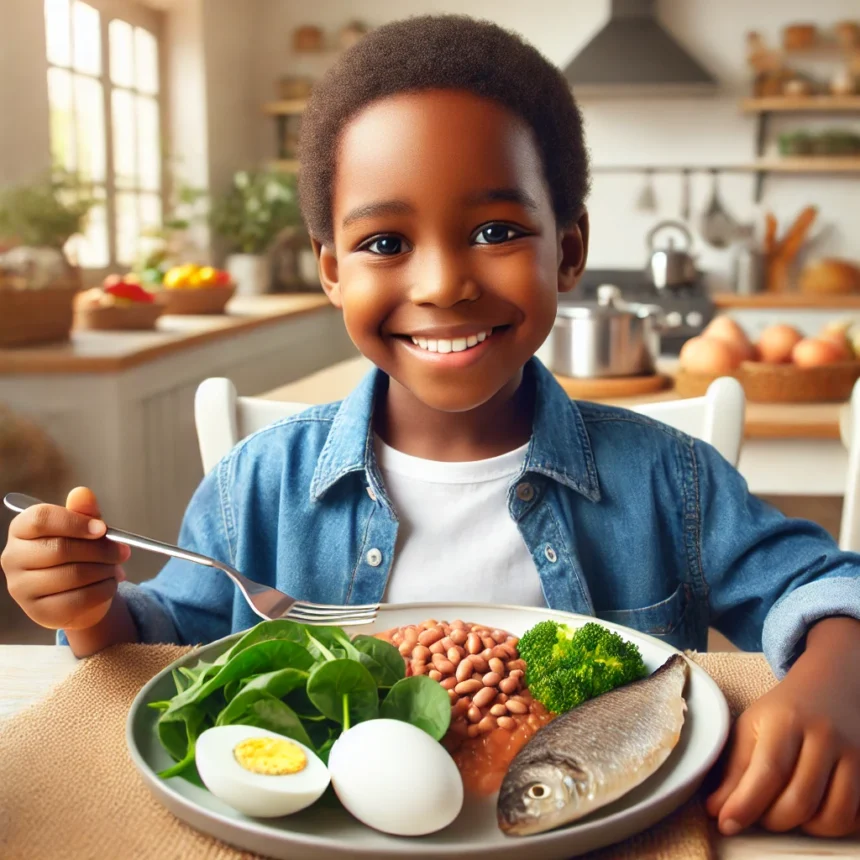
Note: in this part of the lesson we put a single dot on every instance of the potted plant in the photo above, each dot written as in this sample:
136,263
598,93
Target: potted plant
37,282
258,206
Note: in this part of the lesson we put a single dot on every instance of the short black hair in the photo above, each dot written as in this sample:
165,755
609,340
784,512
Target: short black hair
451,52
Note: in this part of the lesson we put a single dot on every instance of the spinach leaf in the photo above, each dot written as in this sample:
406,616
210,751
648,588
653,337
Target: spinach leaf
327,643
345,692
179,729
382,660
282,628
272,714
421,701
275,684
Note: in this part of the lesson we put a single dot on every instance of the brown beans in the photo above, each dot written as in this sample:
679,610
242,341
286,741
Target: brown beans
487,724
491,679
464,670
517,673
410,634
462,705
508,723
517,666
488,641
397,638
473,643
497,665
454,655
499,710
480,664
499,636
419,668
437,648
473,731
509,685
453,698
484,696
468,687
458,624
474,715
448,683
428,637
515,706
444,665
500,652
435,675
458,637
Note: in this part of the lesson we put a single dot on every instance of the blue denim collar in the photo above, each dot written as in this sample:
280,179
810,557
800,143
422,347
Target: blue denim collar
559,448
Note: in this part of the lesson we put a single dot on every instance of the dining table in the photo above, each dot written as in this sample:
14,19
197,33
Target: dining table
29,672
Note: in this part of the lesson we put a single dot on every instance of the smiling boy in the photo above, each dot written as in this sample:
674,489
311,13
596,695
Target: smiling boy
444,177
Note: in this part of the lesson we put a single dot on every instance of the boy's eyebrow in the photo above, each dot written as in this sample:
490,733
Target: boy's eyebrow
382,207
502,195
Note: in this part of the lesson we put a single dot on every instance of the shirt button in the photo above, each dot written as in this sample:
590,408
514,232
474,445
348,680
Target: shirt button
374,557
551,557
525,492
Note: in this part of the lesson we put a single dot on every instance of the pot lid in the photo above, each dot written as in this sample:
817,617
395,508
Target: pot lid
608,304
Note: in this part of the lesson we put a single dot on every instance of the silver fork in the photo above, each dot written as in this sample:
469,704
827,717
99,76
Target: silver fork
268,603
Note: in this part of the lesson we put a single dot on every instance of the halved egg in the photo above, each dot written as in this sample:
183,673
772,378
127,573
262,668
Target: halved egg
258,772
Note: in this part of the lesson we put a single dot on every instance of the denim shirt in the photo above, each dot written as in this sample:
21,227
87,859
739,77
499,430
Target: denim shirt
625,518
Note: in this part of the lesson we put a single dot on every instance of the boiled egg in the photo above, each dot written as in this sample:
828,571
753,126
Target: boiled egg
259,773
394,777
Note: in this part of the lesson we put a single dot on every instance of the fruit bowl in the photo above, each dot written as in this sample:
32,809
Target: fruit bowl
133,317
196,300
788,383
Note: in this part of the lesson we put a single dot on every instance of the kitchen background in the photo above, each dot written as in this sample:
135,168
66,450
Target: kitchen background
216,89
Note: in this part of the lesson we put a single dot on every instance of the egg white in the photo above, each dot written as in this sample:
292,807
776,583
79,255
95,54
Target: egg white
255,794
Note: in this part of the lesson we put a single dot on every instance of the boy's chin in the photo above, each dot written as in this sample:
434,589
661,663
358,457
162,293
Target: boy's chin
448,397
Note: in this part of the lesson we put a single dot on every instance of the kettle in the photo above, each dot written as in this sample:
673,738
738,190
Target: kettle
668,266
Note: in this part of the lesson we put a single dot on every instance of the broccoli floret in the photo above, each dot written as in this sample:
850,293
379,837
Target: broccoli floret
565,666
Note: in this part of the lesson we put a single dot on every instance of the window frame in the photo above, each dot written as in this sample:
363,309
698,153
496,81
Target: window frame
137,15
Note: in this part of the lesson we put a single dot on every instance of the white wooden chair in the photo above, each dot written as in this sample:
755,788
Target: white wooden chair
849,425
223,418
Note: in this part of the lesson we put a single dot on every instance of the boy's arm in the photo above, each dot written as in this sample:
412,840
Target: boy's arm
769,578
186,603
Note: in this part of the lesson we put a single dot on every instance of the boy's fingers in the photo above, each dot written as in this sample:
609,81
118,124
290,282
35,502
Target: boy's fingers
82,500
742,743
70,609
49,552
53,521
42,584
801,798
839,815
770,768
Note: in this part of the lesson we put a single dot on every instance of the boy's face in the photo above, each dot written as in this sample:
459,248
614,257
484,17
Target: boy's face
444,234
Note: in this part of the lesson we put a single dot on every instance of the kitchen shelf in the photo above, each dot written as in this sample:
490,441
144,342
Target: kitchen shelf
288,107
285,165
810,164
787,300
801,104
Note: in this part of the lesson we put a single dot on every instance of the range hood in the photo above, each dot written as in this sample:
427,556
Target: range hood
634,55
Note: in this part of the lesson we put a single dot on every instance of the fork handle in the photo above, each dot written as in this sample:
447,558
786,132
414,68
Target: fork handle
20,502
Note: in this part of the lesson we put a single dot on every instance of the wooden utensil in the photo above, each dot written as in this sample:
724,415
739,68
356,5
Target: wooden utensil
781,255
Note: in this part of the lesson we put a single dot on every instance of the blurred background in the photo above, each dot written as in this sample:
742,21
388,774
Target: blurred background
150,235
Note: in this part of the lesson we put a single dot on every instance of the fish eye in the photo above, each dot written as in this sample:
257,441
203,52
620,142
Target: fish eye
538,791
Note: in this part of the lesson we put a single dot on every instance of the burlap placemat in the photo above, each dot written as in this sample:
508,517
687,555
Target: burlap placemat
68,789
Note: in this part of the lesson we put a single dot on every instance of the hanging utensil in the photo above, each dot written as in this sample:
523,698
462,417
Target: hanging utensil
718,228
685,195
647,201
669,266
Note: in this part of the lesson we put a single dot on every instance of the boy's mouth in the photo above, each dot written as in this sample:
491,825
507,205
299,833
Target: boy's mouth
460,343
456,344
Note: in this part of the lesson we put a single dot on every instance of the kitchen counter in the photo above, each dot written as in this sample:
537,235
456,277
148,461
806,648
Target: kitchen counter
112,351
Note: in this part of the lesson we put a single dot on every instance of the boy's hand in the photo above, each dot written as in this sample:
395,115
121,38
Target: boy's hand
795,755
59,567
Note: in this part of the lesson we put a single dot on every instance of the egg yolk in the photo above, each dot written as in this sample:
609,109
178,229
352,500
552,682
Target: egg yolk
270,756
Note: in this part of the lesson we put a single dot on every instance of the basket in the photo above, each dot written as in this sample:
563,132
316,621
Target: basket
136,317
29,317
787,383
197,300
696,384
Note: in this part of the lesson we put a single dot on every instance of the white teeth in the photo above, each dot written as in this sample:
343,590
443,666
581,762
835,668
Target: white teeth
446,345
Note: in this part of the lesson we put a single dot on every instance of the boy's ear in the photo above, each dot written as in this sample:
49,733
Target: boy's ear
572,253
327,265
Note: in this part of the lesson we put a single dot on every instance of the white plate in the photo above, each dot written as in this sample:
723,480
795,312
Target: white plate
322,833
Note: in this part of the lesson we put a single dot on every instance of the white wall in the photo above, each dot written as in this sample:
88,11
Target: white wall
645,131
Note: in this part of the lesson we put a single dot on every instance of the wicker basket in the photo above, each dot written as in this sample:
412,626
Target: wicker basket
134,317
199,300
696,384
787,383
30,317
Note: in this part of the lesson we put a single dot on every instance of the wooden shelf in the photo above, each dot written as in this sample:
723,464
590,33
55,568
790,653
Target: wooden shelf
810,164
289,107
286,165
784,301
801,104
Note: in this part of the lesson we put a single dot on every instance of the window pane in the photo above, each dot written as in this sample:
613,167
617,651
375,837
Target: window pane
89,110
146,60
62,128
86,39
58,32
91,249
150,211
148,144
124,158
127,228
121,53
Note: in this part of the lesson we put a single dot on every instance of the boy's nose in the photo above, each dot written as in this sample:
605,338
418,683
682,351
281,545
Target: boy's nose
443,281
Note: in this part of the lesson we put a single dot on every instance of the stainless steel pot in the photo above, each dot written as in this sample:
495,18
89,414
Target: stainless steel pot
669,267
605,338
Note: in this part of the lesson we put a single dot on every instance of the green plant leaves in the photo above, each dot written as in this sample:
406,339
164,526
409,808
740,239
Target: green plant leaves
421,701
344,691
381,659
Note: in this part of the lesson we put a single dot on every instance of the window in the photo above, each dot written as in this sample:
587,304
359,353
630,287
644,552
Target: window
105,95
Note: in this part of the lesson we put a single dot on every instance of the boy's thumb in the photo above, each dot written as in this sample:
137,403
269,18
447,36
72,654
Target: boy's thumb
82,500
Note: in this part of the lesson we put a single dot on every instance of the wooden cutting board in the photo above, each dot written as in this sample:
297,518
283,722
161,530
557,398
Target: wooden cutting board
612,387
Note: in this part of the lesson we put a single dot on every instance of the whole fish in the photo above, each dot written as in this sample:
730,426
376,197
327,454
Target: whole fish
595,753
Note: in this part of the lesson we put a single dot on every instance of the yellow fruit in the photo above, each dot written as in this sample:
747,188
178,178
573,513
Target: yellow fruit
207,276
179,276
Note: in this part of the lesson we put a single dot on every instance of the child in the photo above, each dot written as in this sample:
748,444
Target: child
444,175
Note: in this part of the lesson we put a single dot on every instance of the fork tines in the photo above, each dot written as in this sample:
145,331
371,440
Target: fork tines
326,614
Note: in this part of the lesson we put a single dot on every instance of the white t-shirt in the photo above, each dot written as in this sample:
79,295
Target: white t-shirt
456,540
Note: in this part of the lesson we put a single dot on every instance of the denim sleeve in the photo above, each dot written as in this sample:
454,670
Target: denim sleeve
769,578
187,603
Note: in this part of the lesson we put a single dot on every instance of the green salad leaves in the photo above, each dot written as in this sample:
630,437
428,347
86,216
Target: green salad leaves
307,683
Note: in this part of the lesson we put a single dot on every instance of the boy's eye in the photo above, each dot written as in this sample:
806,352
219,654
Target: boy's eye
495,234
386,246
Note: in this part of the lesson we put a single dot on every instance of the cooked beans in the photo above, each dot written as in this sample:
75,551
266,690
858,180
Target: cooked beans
491,679
484,697
473,643
508,723
464,670
429,636
468,687
516,707
497,665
